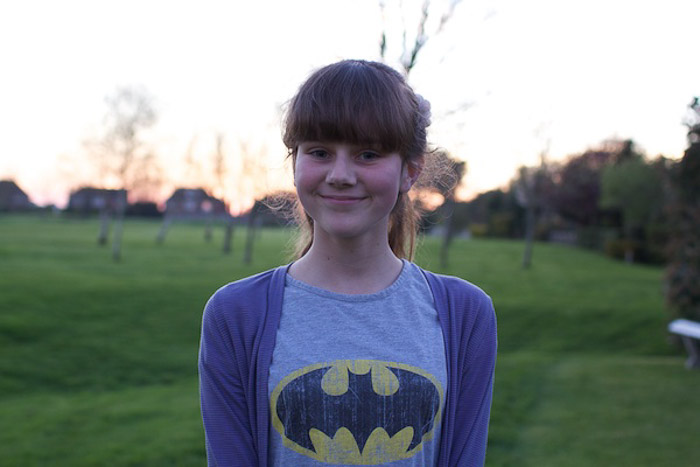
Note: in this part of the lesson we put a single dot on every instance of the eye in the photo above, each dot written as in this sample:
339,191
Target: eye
319,153
368,156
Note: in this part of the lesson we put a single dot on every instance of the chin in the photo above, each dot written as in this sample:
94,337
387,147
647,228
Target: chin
352,232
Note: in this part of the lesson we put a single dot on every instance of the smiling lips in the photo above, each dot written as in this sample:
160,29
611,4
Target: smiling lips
342,199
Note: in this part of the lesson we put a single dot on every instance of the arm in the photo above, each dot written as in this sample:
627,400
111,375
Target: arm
222,380
473,403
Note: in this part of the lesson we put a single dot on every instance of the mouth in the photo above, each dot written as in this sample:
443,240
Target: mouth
342,199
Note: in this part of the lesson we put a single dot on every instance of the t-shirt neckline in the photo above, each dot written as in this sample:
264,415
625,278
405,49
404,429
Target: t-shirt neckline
292,282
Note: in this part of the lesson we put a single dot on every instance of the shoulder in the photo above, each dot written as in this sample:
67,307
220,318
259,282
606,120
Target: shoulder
463,305
457,290
252,284
246,299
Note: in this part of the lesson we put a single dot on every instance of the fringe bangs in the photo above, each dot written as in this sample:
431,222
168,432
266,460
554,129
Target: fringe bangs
354,104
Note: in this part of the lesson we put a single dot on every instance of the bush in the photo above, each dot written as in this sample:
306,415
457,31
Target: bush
595,237
501,224
478,230
618,248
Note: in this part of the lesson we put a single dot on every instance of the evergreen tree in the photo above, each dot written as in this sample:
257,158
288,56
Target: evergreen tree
683,272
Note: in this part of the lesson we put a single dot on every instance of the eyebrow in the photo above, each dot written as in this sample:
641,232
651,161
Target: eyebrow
354,146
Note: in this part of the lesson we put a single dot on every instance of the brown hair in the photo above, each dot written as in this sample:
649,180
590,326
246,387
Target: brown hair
362,102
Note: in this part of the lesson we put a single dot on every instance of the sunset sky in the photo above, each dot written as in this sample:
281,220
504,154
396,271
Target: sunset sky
506,79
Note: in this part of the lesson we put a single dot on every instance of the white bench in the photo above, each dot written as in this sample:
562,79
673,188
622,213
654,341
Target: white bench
690,335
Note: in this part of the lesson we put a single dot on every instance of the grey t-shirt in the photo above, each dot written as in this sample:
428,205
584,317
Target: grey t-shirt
358,379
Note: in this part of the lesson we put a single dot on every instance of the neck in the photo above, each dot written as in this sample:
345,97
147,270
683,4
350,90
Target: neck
348,267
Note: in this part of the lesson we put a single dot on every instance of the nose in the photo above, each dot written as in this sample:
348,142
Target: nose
341,172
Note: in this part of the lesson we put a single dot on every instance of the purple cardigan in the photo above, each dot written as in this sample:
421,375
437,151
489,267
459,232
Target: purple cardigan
238,336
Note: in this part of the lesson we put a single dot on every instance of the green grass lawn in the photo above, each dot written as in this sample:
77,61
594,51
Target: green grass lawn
99,359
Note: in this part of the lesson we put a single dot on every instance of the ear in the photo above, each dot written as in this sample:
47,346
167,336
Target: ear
409,174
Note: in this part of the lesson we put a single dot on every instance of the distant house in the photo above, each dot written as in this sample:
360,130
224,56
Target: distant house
12,198
91,200
194,203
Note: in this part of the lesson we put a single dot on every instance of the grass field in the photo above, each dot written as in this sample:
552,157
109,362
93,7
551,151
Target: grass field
98,359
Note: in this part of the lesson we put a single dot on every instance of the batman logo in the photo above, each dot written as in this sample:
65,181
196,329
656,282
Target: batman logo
354,412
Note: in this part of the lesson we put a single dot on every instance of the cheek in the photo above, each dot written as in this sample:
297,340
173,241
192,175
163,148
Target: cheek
306,181
390,182
303,177
301,173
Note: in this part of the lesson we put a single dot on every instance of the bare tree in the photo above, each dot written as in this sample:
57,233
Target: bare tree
533,189
219,172
446,183
412,44
103,234
248,179
255,173
121,203
208,174
125,157
130,114
228,236
450,171
525,193
192,170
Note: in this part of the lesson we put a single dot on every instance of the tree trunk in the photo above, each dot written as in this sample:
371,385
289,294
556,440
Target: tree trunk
208,229
228,236
117,240
103,234
449,232
529,235
250,237
160,239
445,247
118,230
629,254
629,244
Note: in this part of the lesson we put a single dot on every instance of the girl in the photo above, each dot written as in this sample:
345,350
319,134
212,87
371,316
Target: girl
351,354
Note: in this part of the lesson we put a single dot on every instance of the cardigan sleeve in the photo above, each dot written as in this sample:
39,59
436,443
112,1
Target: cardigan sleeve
473,402
468,320
222,381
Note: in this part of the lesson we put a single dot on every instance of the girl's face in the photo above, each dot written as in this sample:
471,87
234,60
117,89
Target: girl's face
349,190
